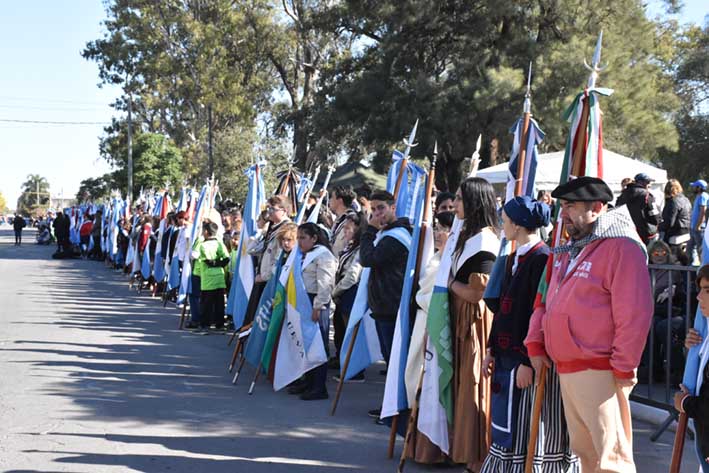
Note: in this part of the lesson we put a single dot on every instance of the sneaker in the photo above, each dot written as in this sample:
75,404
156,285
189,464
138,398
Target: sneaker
358,378
313,396
374,413
192,326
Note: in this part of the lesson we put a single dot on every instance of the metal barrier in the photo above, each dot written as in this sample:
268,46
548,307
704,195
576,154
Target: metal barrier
648,391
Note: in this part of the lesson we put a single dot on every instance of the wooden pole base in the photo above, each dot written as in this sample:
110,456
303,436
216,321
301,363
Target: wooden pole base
678,446
343,371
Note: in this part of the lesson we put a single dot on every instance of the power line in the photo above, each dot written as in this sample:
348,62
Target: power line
56,109
47,122
16,98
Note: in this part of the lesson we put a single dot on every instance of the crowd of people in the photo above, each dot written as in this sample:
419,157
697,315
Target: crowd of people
539,325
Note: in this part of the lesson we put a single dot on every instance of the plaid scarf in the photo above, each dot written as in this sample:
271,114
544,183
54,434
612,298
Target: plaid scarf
615,223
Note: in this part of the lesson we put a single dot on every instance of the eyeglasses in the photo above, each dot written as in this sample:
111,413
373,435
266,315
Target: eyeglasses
271,209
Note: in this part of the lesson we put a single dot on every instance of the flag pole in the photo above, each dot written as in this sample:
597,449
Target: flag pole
525,133
330,170
413,417
409,144
576,169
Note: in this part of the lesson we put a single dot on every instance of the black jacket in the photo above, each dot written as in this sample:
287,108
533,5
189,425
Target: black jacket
697,408
676,216
641,206
18,223
387,261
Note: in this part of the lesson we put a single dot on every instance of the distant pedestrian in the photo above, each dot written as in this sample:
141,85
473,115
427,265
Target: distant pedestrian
18,224
698,221
676,218
641,206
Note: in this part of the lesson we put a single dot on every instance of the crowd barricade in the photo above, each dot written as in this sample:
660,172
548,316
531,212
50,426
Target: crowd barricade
663,360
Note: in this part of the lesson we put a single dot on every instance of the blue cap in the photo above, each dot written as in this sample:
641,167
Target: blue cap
699,183
528,213
642,177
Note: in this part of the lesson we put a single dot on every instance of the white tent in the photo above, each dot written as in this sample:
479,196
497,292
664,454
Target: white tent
615,168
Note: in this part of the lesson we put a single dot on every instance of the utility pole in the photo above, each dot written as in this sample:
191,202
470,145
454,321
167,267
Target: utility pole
37,182
130,149
209,128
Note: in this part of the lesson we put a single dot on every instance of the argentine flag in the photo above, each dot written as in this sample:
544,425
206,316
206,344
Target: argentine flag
243,279
395,395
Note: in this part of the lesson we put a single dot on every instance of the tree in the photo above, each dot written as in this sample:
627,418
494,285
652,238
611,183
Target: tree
3,204
460,67
34,198
178,60
157,162
95,189
690,64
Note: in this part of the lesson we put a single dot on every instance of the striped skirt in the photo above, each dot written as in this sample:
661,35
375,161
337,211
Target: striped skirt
553,451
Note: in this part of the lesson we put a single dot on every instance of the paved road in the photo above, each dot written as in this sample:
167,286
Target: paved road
98,379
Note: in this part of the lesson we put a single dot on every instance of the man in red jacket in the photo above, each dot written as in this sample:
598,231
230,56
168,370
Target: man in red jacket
592,320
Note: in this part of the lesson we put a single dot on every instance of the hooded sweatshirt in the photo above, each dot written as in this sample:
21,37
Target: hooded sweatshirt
595,310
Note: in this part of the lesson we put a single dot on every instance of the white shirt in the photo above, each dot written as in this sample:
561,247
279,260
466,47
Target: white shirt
524,249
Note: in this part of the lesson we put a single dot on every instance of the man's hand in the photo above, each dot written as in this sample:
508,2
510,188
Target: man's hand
488,365
537,363
316,315
374,221
693,338
679,397
626,382
525,376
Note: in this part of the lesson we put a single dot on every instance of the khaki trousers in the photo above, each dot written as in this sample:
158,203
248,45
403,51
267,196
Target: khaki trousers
598,417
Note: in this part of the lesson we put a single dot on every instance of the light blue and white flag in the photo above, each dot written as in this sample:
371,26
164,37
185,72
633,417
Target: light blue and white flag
692,373
300,346
202,207
243,280
395,395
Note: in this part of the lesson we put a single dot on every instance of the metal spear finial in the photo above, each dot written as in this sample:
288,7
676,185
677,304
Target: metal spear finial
435,155
595,66
410,142
528,94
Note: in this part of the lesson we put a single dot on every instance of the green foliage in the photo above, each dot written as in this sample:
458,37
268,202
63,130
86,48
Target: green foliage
460,67
690,60
3,204
176,58
349,78
34,198
95,189
157,162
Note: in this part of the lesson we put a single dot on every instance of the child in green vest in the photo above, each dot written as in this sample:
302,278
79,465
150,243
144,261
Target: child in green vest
213,259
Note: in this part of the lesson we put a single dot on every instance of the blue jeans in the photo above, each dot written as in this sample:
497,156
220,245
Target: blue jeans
194,299
694,245
385,333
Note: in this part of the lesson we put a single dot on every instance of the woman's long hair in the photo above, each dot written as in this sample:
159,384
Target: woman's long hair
479,207
360,220
314,230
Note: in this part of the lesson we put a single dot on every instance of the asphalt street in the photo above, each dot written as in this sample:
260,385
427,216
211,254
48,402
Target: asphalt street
96,378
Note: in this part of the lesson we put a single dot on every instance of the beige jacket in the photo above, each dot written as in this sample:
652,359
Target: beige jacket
319,279
270,254
351,272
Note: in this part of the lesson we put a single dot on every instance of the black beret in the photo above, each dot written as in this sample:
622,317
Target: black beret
584,189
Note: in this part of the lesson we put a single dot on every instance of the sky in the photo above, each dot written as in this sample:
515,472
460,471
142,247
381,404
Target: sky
45,79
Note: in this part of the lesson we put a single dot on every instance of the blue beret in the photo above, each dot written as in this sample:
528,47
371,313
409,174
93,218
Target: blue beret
528,213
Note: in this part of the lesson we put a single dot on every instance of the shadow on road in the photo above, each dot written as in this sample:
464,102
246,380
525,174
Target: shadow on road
120,359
